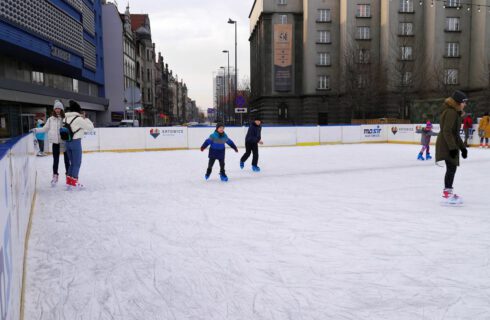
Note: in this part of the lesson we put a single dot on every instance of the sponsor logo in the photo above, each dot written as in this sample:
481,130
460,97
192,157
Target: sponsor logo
373,133
394,130
154,133
60,54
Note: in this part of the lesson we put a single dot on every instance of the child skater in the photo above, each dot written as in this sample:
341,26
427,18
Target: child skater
217,141
427,133
252,141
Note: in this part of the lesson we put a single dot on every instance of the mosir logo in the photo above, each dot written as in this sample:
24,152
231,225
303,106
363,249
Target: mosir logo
373,133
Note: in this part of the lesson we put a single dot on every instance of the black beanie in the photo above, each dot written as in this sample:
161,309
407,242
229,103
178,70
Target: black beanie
219,125
459,96
75,107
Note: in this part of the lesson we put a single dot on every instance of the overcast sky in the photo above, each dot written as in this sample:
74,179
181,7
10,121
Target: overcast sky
191,35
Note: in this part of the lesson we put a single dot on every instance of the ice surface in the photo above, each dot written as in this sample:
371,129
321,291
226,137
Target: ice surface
330,232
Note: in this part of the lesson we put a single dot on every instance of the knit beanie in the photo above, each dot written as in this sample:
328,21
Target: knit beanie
459,96
58,105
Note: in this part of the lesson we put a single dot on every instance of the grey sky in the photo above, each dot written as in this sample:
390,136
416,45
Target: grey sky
191,35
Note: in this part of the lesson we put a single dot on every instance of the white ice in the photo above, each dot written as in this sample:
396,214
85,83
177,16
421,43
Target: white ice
327,232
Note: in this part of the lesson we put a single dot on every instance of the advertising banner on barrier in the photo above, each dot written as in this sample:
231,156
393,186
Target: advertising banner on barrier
91,141
374,133
401,133
166,138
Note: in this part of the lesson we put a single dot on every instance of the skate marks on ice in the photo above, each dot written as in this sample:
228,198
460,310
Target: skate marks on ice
162,244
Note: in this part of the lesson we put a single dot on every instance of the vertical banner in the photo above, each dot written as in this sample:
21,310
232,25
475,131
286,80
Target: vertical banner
283,45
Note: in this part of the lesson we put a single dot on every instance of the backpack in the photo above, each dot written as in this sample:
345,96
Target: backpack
66,133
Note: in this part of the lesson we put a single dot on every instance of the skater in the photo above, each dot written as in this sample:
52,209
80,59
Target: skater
449,143
427,133
217,141
467,126
52,127
484,130
40,137
78,123
252,141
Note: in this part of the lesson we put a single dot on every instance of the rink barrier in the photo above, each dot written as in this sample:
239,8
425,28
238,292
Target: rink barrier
185,138
17,198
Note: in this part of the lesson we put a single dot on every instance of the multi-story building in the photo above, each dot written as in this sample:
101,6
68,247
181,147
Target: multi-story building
49,50
223,94
145,66
329,61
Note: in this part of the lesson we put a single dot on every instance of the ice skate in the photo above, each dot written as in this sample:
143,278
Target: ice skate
451,199
242,165
54,181
428,156
256,168
223,177
420,157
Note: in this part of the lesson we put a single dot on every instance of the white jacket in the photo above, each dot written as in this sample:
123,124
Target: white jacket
78,123
52,127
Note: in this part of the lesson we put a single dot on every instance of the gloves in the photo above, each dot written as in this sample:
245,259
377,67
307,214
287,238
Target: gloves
202,149
453,153
464,153
236,149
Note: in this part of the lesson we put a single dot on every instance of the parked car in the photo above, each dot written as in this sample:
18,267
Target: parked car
129,123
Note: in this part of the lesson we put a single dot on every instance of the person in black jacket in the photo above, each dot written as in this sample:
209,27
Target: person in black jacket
252,141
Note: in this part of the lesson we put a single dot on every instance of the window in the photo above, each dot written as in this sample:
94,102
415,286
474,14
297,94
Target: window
37,77
451,76
324,15
323,82
406,53
362,81
364,10
452,49
363,33
363,56
453,4
75,85
148,74
407,79
406,5
282,1
283,19
324,36
324,59
406,28
452,24
282,111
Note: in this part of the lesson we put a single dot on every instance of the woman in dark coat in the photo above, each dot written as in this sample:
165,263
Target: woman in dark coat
449,142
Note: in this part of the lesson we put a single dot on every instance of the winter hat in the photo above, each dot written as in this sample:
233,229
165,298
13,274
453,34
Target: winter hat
75,107
58,105
428,125
219,125
459,96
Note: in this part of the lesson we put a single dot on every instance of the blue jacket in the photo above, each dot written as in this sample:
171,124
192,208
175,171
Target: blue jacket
217,142
253,134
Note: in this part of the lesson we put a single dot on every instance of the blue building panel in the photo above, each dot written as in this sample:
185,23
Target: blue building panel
62,37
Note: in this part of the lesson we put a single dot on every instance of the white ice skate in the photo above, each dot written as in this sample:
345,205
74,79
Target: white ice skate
451,199
54,181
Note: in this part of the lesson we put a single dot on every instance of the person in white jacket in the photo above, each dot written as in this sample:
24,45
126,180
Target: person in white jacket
52,127
79,125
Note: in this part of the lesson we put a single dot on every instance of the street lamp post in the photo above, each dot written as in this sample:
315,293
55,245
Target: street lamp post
230,21
227,85
223,95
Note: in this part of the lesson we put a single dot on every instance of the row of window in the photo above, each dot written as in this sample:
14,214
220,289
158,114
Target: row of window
451,77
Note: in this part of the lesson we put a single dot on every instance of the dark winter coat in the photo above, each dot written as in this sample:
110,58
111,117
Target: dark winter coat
449,138
217,142
253,133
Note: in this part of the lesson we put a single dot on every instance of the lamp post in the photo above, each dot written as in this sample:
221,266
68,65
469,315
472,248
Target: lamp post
230,21
223,95
227,85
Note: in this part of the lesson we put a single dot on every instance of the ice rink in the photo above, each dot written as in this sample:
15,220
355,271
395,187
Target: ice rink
327,232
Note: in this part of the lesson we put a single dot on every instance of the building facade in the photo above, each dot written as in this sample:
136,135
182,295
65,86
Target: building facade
41,62
330,61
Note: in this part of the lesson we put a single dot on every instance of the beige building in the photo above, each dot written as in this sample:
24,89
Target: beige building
328,61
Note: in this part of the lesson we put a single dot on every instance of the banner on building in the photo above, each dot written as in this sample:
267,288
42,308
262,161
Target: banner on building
283,46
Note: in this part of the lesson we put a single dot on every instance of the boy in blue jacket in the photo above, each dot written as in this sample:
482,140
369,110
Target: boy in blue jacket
252,141
217,141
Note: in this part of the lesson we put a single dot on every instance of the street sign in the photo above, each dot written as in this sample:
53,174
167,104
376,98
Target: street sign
240,101
211,110
132,95
240,110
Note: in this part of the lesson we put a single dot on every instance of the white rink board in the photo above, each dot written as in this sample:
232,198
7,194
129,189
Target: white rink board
165,138
122,139
91,141
331,134
279,136
308,135
197,136
351,134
